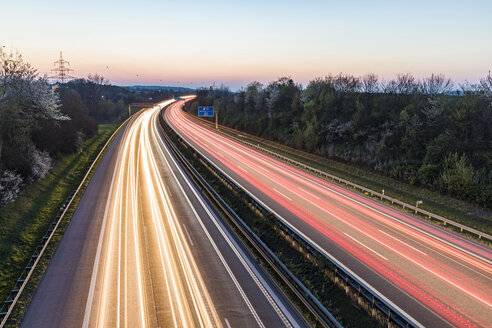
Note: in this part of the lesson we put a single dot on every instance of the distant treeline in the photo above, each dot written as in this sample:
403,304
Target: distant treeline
39,121
424,132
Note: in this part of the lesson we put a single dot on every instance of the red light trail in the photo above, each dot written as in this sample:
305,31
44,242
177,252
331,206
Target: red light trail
445,272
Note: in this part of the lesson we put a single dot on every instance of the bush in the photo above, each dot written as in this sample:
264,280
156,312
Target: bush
458,176
10,184
41,164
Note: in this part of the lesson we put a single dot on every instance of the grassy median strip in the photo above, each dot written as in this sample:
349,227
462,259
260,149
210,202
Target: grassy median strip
446,206
24,222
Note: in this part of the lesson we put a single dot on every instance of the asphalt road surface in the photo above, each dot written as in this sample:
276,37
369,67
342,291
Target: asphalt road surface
144,249
435,277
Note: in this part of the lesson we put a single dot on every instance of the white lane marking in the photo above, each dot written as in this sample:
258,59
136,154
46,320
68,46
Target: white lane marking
282,193
299,195
360,243
401,241
307,192
168,191
370,206
243,169
90,296
186,230
227,323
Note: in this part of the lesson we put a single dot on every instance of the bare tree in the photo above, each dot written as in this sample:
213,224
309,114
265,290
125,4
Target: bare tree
370,83
99,83
436,84
406,84
389,86
486,84
346,83
96,86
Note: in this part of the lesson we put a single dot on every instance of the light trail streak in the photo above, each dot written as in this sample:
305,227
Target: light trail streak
458,240
302,179
364,245
300,176
120,294
455,277
414,248
254,274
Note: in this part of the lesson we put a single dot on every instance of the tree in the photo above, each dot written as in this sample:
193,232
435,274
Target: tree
405,128
10,184
25,99
436,84
253,96
21,85
486,85
369,83
458,175
406,84
26,102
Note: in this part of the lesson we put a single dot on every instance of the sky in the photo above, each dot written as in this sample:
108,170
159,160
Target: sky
198,43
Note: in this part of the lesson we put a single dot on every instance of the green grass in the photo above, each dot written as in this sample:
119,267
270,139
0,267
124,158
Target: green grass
465,213
27,219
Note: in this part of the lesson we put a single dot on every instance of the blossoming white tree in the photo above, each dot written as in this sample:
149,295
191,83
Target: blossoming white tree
25,99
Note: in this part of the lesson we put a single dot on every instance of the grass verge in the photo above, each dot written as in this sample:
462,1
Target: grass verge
24,222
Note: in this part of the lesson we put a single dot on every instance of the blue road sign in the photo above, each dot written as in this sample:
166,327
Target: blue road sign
205,111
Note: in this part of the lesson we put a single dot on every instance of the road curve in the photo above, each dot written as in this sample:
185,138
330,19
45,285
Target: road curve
438,278
144,249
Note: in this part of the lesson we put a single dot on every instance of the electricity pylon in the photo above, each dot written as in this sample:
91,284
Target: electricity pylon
61,70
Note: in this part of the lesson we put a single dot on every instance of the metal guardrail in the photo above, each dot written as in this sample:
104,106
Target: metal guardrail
382,196
308,299
462,227
362,289
23,279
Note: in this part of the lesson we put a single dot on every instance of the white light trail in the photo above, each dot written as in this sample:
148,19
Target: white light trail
121,291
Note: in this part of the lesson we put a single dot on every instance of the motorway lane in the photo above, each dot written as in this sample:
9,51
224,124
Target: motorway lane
153,252
437,277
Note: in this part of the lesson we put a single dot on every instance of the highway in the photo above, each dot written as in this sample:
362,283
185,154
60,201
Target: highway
435,277
145,249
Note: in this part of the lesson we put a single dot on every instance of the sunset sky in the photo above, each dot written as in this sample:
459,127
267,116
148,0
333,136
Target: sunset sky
196,43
